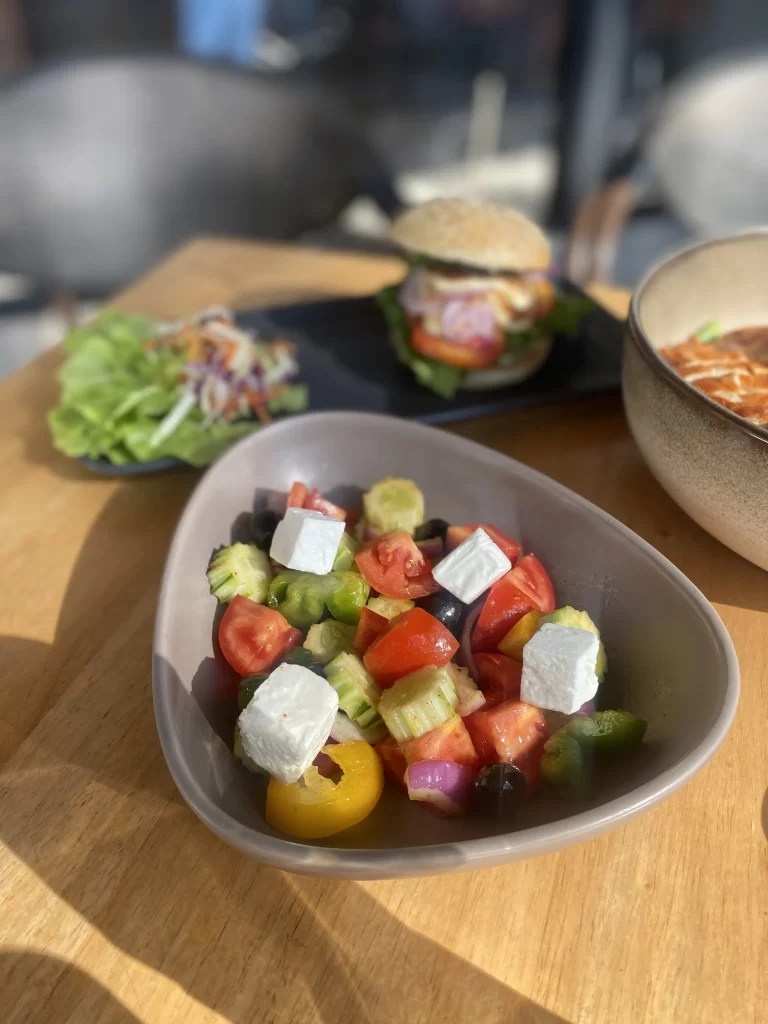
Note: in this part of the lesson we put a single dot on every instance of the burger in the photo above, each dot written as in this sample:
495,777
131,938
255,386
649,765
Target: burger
477,308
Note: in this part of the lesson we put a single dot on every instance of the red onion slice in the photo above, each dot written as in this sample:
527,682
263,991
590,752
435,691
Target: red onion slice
462,320
443,785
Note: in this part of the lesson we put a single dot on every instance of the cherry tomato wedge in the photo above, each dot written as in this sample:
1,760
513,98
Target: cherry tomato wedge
448,742
252,637
513,732
503,607
532,578
413,640
475,354
370,626
317,503
499,677
525,588
297,495
456,534
394,566
391,754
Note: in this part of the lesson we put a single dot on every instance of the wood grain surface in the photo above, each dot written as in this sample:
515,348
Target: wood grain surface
117,905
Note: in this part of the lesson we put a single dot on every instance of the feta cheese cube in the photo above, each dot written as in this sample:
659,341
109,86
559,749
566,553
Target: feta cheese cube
288,720
559,668
307,541
472,567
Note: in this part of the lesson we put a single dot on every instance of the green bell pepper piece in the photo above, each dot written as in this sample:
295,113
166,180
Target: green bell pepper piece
608,732
302,597
345,555
248,687
564,764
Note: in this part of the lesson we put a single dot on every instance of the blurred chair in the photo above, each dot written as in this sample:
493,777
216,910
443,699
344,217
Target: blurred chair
703,159
110,163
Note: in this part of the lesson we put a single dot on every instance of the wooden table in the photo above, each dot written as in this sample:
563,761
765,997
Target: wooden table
117,905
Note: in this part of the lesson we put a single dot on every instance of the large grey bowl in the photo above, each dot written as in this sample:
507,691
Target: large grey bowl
670,657
711,461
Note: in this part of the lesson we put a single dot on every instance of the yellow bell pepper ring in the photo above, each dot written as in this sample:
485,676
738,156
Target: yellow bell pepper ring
513,643
316,807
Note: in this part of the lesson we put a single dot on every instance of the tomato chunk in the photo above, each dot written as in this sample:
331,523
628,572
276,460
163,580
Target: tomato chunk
513,731
455,535
395,566
413,640
532,578
370,626
499,676
253,638
391,754
524,589
300,496
315,502
448,742
503,607
297,495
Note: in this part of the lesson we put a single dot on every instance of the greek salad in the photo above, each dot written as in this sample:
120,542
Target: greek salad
388,643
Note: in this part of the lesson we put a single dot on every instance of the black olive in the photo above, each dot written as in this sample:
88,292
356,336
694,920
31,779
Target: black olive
432,528
263,525
499,790
447,609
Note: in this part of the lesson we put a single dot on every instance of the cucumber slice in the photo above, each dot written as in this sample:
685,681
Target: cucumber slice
608,732
390,607
468,697
345,554
240,569
394,504
564,766
327,639
418,703
344,730
358,694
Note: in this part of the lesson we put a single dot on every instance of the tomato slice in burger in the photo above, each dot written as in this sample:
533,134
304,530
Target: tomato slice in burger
394,566
253,638
475,354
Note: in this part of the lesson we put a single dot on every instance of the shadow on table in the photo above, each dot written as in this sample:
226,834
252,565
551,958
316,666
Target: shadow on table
78,996
90,808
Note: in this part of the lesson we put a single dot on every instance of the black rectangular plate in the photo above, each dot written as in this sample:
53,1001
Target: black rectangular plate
348,362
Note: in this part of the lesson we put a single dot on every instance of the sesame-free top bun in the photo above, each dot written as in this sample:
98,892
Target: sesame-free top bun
475,233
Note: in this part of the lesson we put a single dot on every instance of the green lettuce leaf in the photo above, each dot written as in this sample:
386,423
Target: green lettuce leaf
444,380
567,315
